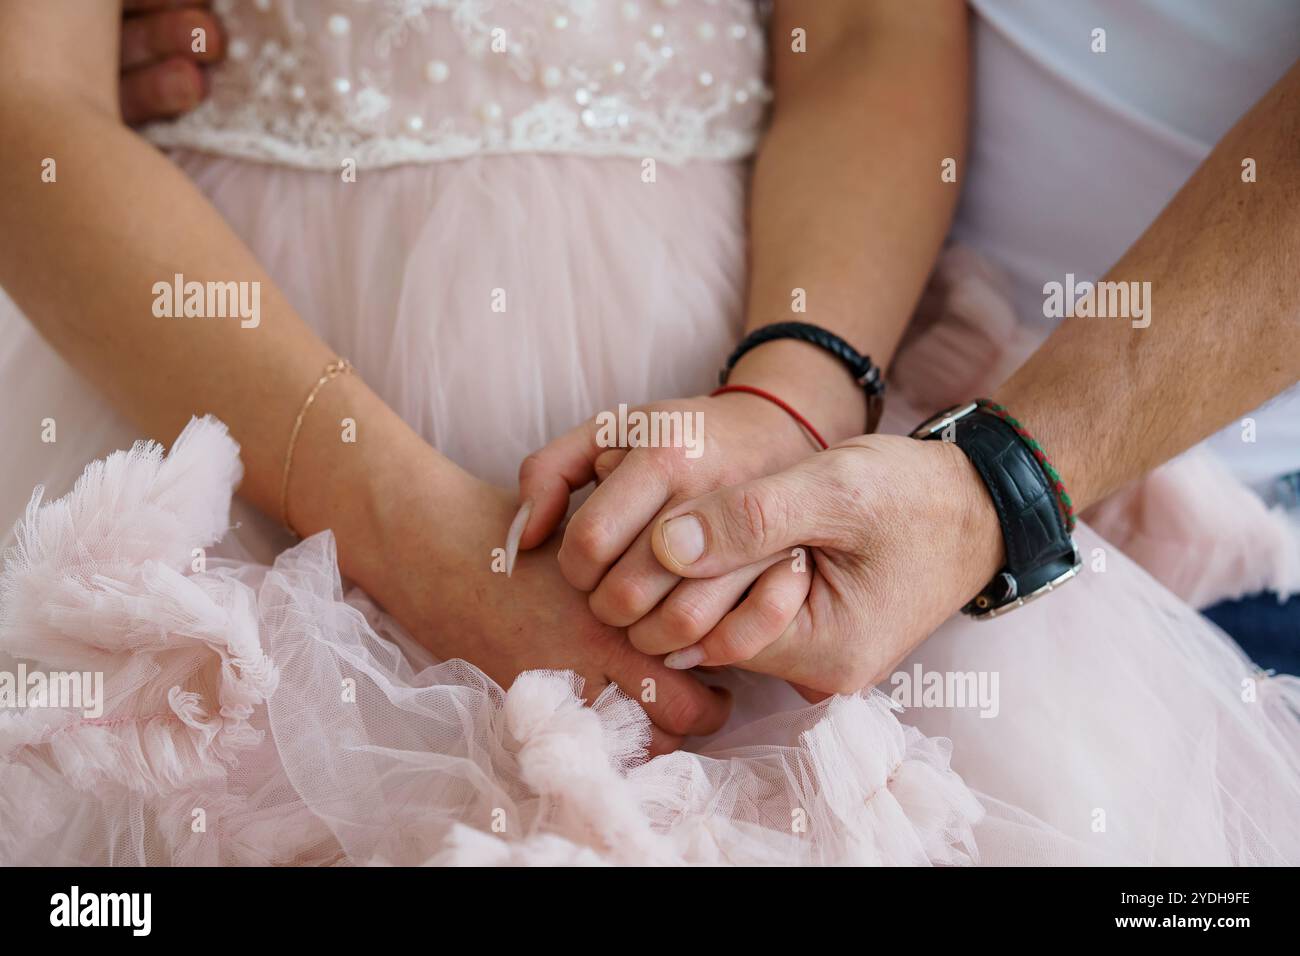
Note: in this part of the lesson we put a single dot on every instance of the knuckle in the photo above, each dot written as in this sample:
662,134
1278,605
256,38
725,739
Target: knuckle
647,637
665,462
619,602
730,648
756,515
587,538
757,518
771,613
842,492
607,461
681,712
842,473
685,618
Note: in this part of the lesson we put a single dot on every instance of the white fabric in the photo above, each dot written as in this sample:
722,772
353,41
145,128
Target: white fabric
400,81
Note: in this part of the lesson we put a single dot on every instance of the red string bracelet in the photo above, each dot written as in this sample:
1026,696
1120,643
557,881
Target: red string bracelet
751,390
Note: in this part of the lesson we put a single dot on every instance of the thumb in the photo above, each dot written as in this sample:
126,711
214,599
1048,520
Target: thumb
549,475
737,526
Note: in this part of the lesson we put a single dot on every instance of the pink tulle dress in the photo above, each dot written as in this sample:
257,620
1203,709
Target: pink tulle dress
587,160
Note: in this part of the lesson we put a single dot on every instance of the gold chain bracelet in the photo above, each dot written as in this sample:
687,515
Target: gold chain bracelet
332,371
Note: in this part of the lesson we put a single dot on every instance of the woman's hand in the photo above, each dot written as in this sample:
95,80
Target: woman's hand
436,575
899,534
606,548
162,73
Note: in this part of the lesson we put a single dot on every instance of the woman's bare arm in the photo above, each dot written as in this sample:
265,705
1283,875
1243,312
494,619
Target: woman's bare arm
80,255
848,203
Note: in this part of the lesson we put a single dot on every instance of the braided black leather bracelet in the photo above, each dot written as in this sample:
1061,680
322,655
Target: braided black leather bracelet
864,371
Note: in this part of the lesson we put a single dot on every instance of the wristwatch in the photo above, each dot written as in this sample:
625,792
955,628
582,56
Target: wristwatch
1041,555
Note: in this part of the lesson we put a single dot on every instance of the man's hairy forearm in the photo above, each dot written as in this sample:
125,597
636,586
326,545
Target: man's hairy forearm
1110,401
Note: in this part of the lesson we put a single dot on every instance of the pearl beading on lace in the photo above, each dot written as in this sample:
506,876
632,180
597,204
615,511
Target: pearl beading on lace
390,81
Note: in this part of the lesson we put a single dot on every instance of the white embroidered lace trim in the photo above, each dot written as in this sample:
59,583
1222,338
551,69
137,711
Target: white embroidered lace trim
412,81
313,144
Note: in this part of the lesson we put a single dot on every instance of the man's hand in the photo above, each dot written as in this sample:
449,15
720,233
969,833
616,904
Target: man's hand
162,57
898,535
606,547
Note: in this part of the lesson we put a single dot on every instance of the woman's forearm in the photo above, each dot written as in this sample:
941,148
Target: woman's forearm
848,202
1111,398
81,256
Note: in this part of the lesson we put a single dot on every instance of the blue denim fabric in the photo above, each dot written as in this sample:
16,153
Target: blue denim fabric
1267,630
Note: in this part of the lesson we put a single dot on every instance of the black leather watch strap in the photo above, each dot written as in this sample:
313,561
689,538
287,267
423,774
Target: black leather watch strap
1040,551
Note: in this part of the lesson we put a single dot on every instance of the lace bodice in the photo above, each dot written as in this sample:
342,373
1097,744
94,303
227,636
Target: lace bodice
316,82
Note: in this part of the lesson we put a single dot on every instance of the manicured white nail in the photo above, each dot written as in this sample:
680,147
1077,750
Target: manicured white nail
684,659
684,539
515,533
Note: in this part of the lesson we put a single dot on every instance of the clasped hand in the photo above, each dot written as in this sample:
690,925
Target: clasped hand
823,569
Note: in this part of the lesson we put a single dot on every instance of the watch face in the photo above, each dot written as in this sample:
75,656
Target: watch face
940,421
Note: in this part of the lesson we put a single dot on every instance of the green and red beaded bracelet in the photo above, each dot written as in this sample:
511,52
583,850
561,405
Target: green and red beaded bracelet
1058,486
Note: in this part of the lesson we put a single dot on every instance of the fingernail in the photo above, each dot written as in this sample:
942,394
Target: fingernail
684,659
515,533
684,539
